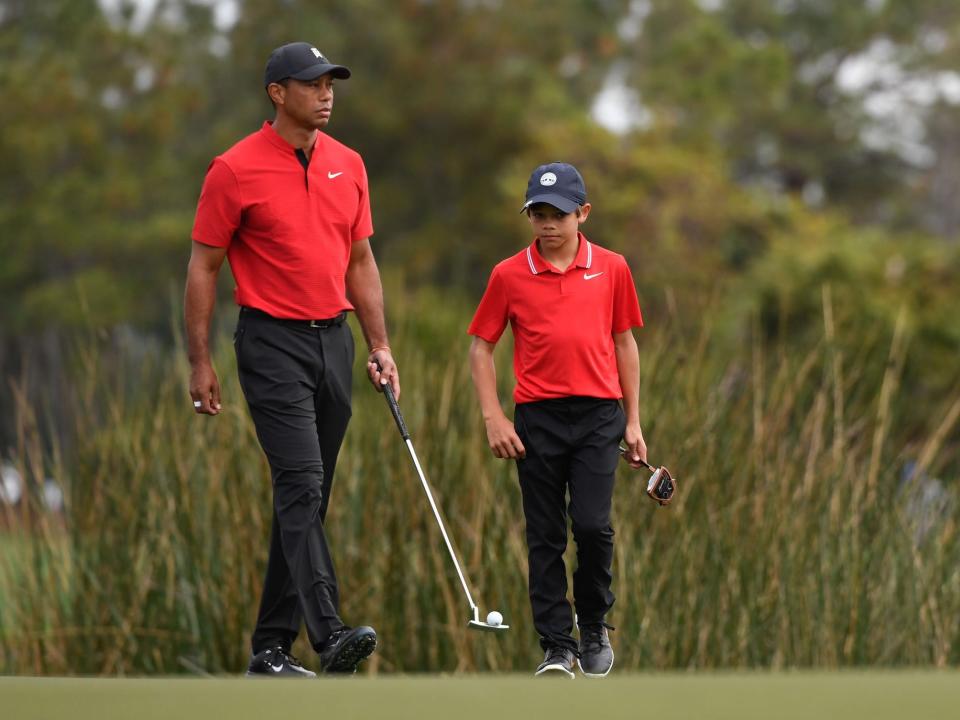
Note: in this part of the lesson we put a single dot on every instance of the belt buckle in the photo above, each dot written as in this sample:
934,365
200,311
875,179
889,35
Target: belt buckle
327,322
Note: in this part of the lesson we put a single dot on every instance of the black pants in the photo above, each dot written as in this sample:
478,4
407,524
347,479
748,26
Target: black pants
571,444
297,382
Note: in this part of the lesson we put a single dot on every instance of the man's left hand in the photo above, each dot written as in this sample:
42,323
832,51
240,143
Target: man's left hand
382,369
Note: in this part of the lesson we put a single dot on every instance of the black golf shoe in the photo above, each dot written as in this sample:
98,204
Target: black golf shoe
346,648
557,661
596,655
277,662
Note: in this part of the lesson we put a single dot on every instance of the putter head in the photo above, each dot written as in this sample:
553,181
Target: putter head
484,627
476,624
661,486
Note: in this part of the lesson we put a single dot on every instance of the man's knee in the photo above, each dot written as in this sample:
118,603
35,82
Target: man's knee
298,486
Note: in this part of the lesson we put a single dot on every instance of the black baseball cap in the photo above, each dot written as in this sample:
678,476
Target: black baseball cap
300,61
558,184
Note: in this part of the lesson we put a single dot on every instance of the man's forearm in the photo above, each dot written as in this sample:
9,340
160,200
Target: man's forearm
199,299
365,292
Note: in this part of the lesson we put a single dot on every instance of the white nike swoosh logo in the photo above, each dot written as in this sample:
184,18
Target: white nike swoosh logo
333,175
591,277
276,668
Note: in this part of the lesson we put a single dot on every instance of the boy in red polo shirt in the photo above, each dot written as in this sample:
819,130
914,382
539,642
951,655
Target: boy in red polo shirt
572,306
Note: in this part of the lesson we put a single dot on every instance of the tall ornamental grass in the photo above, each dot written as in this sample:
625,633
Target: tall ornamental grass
815,524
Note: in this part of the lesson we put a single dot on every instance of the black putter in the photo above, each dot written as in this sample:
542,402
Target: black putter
474,622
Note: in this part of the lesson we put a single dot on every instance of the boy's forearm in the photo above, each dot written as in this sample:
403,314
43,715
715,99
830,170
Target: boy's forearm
628,368
484,374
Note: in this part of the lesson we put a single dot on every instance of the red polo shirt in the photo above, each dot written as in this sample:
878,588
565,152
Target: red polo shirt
288,230
563,322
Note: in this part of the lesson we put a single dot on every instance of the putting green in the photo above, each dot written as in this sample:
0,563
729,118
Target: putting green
739,696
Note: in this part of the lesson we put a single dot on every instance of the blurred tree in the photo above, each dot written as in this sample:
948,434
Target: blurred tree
93,148
872,276
445,96
763,79
113,116
114,108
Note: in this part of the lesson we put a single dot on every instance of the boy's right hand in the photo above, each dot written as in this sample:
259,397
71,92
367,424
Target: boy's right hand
503,438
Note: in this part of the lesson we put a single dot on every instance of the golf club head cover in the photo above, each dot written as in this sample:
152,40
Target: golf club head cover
662,486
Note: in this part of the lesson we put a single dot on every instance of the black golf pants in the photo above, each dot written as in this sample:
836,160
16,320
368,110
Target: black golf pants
297,382
571,445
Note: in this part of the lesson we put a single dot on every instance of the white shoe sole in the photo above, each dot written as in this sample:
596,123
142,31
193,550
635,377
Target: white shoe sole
555,669
286,676
596,675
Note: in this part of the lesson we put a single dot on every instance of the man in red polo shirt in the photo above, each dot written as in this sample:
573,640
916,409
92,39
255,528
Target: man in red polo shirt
289,207
572,306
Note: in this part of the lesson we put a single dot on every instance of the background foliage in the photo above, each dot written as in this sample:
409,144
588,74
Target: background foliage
782,182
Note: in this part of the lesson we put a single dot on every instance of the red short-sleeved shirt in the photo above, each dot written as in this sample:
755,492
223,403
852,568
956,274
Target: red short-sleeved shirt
288,230
563,322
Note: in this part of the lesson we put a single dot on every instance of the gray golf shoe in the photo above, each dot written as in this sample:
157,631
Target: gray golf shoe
596,654
557,662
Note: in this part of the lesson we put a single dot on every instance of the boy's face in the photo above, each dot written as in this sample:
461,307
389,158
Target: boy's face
553,227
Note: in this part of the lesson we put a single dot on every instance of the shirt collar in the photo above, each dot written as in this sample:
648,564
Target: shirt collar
537,264
273,137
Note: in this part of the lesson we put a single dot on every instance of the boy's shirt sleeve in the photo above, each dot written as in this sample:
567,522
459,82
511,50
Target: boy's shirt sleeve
626,306
220,208
491,317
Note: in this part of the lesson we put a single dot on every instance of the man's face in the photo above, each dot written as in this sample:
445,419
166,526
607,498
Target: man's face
552,226
307,102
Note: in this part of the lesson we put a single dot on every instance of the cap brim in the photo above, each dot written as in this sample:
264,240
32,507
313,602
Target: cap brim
314,71
558,201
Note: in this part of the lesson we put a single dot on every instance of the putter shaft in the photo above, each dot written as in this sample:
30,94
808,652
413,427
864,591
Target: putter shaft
443,530
475,621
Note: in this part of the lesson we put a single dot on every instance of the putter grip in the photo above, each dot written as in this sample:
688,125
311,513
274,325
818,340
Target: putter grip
647,465
395,409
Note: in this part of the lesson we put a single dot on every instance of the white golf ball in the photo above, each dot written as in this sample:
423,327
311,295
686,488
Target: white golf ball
494,618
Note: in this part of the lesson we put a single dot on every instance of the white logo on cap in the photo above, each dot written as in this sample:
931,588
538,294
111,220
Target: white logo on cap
317,52
548,179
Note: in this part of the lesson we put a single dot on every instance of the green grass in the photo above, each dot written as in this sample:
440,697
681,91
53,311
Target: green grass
793,543
819,696
12,553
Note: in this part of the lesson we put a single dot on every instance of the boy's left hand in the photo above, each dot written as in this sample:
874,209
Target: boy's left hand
636,447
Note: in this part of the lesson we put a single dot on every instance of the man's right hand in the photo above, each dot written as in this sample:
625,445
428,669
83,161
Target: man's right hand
503,438
204,389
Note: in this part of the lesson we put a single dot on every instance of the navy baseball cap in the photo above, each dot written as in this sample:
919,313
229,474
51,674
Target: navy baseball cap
300,61
558,184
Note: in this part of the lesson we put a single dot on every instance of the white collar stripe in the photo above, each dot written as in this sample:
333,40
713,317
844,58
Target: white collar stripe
589,254
533,268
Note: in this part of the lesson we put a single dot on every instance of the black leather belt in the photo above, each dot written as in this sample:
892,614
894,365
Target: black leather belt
322,323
